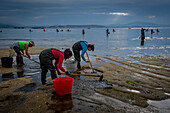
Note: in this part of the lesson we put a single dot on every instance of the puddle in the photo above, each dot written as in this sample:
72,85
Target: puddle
132,90
27,88
33,73
163,105
106,99
116,63
167,78
126,89
98,64
9,76
61,103
90,71
167,94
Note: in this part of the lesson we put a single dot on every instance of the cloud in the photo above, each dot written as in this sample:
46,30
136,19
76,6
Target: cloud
123,14
120,14
151,16
38,17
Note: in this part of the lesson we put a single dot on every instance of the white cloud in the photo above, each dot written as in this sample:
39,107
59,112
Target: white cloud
121,14
151,16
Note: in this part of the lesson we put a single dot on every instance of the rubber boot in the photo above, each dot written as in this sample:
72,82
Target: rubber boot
19,61
78,65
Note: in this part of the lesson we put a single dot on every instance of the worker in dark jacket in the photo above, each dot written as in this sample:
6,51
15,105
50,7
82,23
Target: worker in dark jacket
19,47
46,58
142,34
84,46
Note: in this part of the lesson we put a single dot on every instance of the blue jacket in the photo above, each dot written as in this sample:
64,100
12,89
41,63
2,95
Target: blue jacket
84,46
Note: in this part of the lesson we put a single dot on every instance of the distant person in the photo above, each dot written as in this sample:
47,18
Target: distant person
107,32
152,31
83,32
57,30
142,33
46,62
19,47
84,46
68,30
30,30
142,36
113,30
157,30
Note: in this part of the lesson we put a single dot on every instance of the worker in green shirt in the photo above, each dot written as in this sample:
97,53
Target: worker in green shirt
19,47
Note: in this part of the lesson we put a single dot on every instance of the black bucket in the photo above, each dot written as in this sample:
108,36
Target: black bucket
7,62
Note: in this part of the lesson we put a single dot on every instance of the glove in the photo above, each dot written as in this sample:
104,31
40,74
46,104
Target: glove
87,61
58,72
68,73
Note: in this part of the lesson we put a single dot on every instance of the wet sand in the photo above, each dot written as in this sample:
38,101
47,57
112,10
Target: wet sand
131,85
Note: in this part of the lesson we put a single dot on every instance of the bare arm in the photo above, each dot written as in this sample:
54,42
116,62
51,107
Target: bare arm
26,50
22,52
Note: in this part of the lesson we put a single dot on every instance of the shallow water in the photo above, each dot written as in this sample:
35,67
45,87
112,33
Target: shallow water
123,42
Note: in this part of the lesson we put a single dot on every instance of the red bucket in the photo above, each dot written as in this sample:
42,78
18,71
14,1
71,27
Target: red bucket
63,85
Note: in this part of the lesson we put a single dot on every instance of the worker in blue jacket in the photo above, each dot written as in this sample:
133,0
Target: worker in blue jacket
84,46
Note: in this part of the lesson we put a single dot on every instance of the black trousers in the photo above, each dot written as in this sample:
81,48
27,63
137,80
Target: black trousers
77,57
17,50
45,65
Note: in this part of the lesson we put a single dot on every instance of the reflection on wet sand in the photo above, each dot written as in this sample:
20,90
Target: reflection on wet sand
61,103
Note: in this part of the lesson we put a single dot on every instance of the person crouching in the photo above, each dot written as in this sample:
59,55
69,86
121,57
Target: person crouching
19,48
46,62
84,46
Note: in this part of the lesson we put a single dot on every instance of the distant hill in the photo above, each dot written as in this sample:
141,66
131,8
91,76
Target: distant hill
77,26
6,25
138,24
54,26
133,24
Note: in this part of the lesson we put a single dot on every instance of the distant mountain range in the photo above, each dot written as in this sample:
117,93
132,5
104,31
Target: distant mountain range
138,24
134,24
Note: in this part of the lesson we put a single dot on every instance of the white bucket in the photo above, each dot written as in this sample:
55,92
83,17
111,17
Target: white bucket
71,65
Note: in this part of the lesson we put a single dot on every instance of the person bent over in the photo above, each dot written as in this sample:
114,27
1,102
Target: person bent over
19,47
46,62
84,46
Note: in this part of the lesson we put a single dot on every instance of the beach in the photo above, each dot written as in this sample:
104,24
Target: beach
126,87
135,78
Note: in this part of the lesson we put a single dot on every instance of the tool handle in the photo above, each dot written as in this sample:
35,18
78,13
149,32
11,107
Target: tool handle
31,59
89,61
93,75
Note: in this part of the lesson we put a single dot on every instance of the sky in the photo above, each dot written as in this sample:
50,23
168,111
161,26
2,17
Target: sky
84,12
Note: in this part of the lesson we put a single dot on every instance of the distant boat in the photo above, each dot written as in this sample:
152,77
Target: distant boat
129,28
0,30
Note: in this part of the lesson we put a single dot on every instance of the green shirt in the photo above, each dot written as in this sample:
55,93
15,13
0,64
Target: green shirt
22,44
